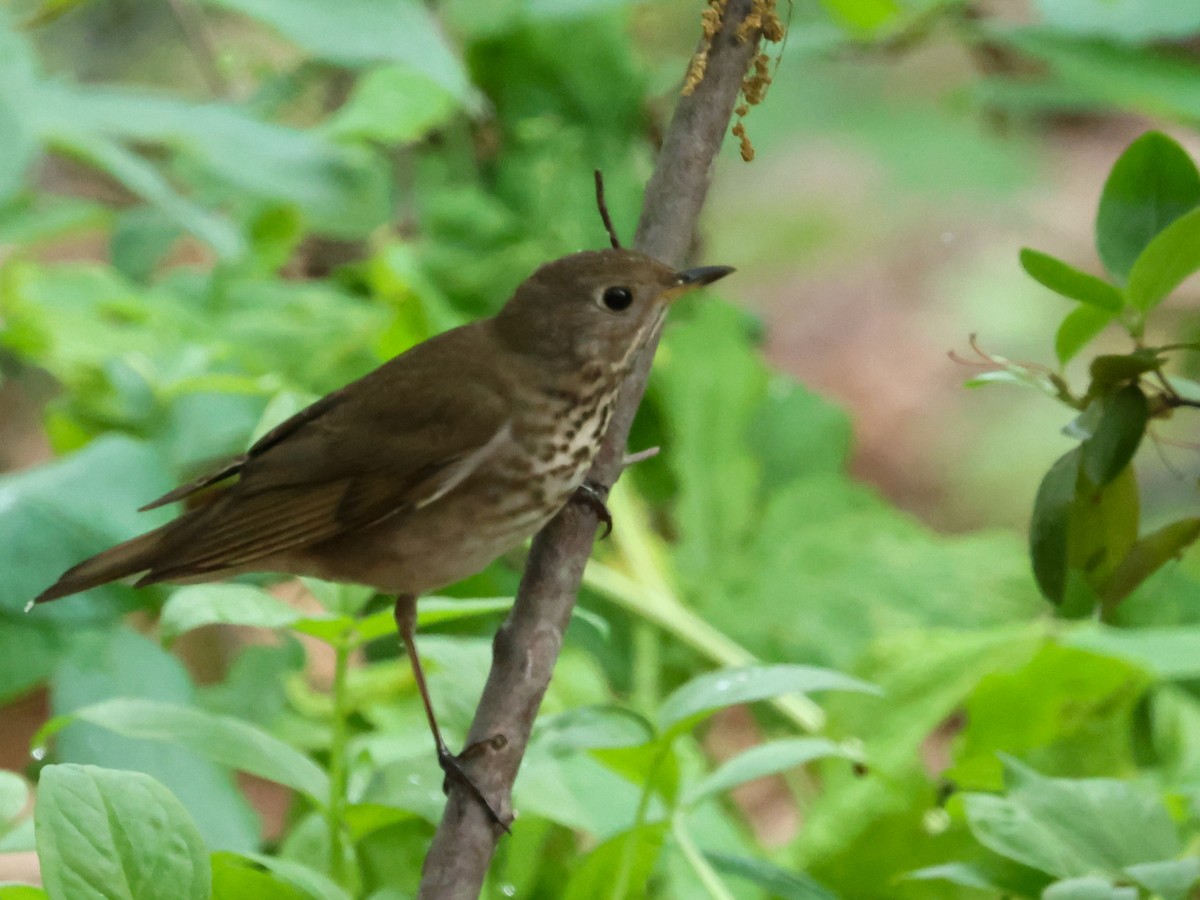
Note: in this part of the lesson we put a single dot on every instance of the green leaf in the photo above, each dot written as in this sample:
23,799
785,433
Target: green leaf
22,892
770,758
118,835
697,699
1077,330
1072,827
594,727
1171,879
1128,21
1169,653
237,878
308,881
1049,527
1123,417
1089,887
393,105
356,32
962,874
1070,282
779,882
1110,370
1172,256
1103,526
1147,556
14,797
230,604
224,740
620,867
1152,184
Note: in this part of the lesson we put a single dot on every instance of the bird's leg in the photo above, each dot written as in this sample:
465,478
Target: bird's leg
405,613
591,495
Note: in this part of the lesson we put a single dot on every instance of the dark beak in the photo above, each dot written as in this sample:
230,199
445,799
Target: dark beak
703,275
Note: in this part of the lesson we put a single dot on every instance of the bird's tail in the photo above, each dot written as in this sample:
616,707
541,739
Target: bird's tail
125,559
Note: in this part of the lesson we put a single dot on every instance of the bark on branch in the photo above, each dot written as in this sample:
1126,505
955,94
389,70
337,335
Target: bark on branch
527,645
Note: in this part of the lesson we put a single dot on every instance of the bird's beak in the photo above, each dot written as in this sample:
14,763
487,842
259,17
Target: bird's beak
702,275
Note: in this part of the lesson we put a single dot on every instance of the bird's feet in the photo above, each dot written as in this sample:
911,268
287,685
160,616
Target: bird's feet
591,495
453,767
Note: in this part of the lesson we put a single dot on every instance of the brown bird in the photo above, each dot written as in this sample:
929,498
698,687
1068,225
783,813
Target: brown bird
428,468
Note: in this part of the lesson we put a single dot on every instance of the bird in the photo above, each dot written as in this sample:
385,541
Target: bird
428,468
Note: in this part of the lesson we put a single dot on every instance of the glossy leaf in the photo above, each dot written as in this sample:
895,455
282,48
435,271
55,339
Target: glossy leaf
1070,282
227,741
1109,370
1123,418
118,835
1147,556
228,604
1049,527
1172,256
1077,330
700,697
1072,827
1103,526
770,758
1152,184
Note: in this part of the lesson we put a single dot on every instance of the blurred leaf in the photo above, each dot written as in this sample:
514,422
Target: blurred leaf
778,881
1130,21
1078,329
770,758
308,881
620,867
1147,556
1169,653
119,835
237,878
1109,370
594,727
1049,527
1070,282
231,604
54,515
393,105
1152,184
29,651
1072,827
797,432
962,874
14,797
227,741
357,32
705,694
1102,526
1089,887
1172,256
22,892
140,240
1170,879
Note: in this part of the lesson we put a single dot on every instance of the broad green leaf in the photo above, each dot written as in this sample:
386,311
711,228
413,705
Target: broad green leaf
766,759
118,835
14,796
594,727
1127,21
393,105
697,699
229,604
1102,526
340,599
1172,256
1147,556
308,881
1110,370
1152,184
1072,827
1089,887
1070,282
22,892
1171,879
121,663
779,882
29,650
237,878
441,610
1049,527
227,741
620,867
1124,415
1169,653
357,32
1078,329
962,874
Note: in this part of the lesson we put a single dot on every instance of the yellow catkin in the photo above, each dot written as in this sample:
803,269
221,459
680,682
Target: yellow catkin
710,23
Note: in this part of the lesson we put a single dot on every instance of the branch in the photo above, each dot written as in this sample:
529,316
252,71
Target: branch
527,645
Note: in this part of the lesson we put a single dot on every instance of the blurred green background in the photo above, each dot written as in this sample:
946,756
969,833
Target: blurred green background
213,212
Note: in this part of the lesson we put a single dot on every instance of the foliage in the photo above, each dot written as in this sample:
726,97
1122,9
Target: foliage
344,180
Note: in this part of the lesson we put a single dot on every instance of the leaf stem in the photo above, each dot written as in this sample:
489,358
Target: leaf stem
708,877
337,761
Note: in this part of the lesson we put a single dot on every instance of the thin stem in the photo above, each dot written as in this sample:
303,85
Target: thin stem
337,762
621,882
647,687
708,877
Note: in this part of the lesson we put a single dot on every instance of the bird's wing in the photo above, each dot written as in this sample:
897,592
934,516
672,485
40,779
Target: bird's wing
387,445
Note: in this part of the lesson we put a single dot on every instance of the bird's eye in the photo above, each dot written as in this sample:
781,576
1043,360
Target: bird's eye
617,298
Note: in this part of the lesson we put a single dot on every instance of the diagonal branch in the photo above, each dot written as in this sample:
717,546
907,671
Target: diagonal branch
527,645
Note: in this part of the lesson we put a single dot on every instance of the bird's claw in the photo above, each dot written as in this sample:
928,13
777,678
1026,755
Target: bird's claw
591,495
453,768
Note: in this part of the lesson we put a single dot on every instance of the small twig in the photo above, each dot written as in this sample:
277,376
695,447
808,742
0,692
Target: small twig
527,645
201,46
632,459
608,223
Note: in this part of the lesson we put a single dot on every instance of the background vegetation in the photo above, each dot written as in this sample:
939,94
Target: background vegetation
214,212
